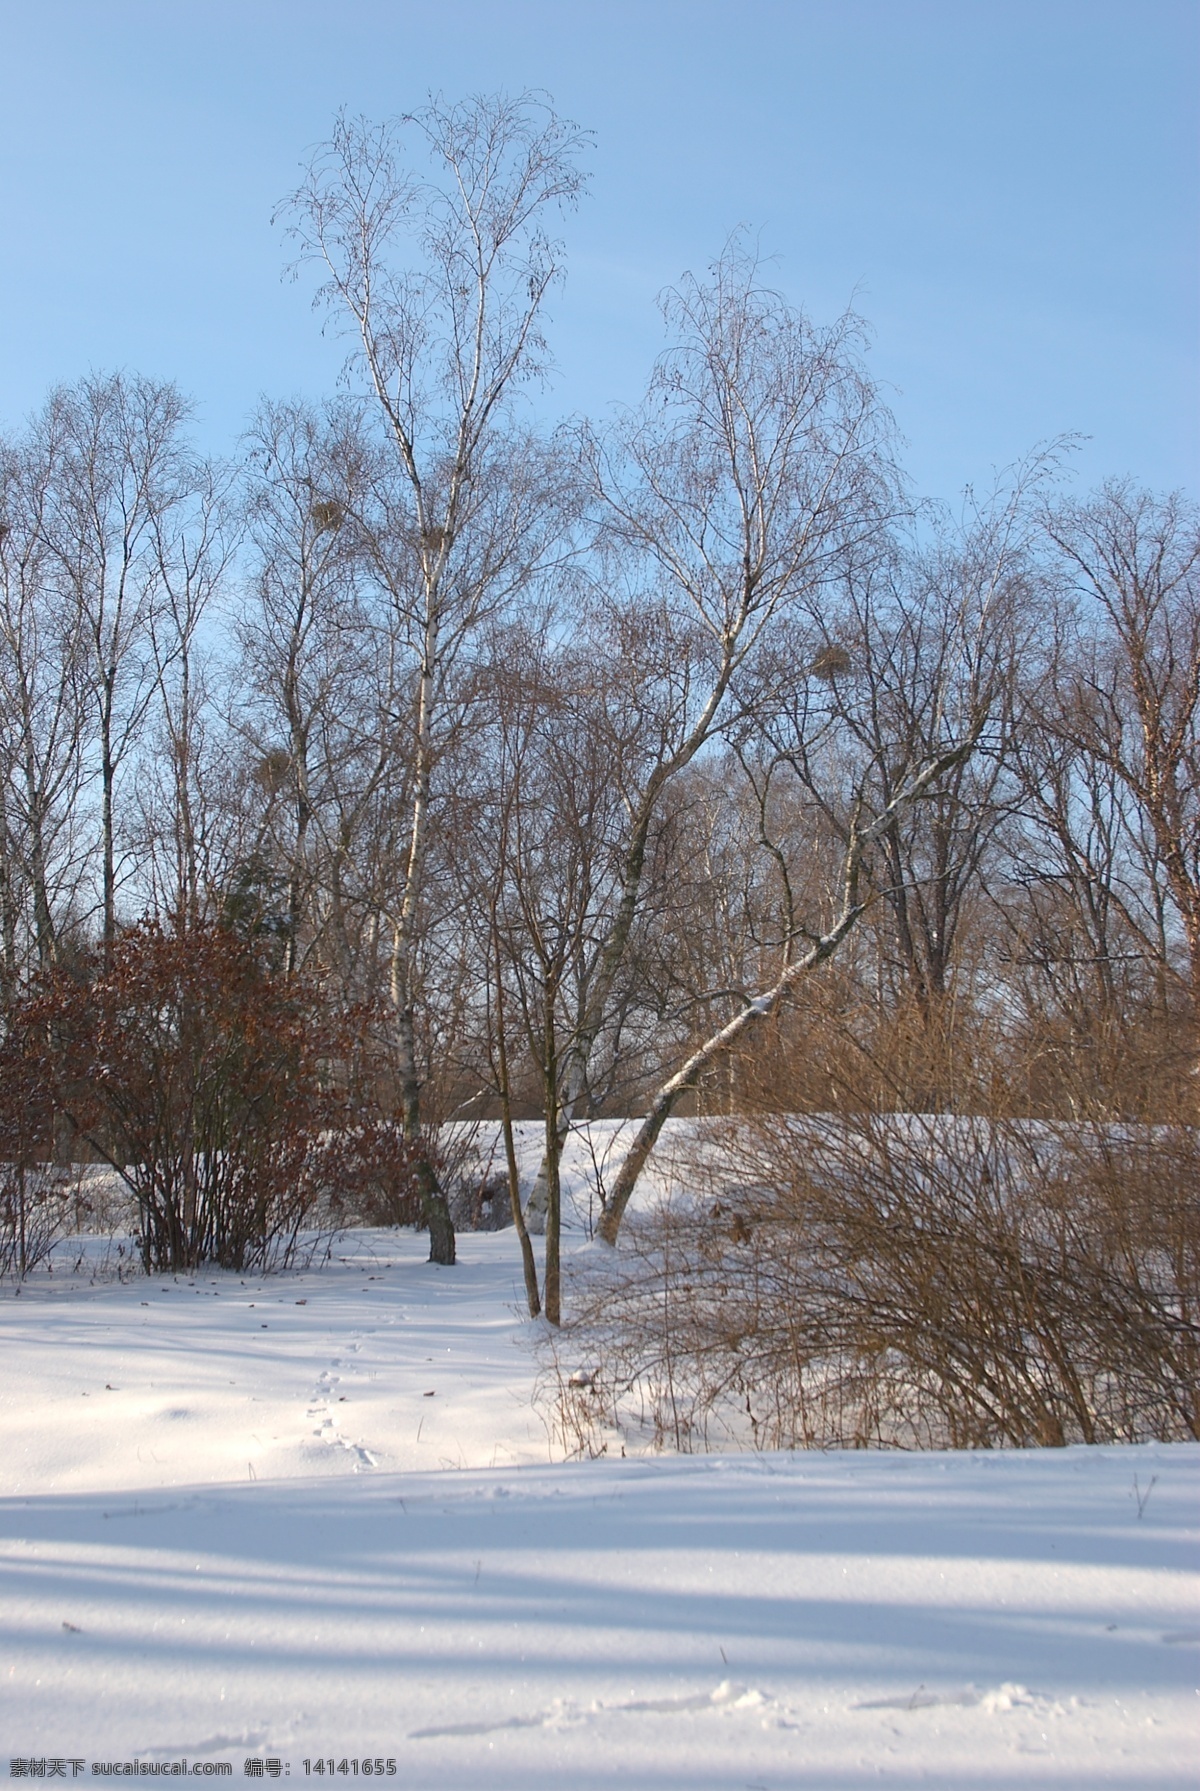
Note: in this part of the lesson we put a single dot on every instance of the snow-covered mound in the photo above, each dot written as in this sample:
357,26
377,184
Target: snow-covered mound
592,1155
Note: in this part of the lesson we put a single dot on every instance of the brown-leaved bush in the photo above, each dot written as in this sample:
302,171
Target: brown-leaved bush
221,1093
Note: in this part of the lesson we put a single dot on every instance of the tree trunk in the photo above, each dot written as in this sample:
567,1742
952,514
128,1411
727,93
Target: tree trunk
528,1262
684,1079
107,779
435,1208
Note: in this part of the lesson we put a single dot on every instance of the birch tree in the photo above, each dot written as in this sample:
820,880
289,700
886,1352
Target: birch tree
431,237
724,507
805,953
883,760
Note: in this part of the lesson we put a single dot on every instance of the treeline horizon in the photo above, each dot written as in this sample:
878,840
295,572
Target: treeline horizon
679,763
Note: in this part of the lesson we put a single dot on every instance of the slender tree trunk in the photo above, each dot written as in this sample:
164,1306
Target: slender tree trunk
435,1208
552,1279
528,1262
8,908
186,868
538,1205
107,781
668,1096
43,918
579,1053
823,948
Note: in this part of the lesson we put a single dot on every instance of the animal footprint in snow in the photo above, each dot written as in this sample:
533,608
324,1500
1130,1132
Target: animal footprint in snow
1006,1697
726,1696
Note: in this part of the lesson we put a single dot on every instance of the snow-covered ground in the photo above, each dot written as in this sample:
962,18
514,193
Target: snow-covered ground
316,1516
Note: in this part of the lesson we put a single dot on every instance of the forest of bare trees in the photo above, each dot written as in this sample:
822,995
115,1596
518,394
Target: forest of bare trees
683,764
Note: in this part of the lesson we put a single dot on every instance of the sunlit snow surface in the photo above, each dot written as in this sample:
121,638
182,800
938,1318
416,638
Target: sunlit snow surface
316,1516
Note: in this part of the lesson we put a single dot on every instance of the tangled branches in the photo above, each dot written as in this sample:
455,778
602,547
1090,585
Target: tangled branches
907,1281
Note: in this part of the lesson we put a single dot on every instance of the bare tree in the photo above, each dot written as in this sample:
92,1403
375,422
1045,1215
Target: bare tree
546,851
195,541
441,277
932,640
1098,896
41,722
121,465
804,953
310,658
728,501
1134,685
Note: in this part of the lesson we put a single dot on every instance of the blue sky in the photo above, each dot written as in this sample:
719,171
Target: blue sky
1009,191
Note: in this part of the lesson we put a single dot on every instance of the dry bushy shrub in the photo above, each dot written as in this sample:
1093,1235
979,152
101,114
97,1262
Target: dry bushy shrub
215,1088
38,1198
838,1047
905,1280
40,1202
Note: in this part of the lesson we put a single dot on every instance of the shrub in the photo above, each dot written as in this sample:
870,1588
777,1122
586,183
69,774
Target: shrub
897,1279
38,1198
215,1087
